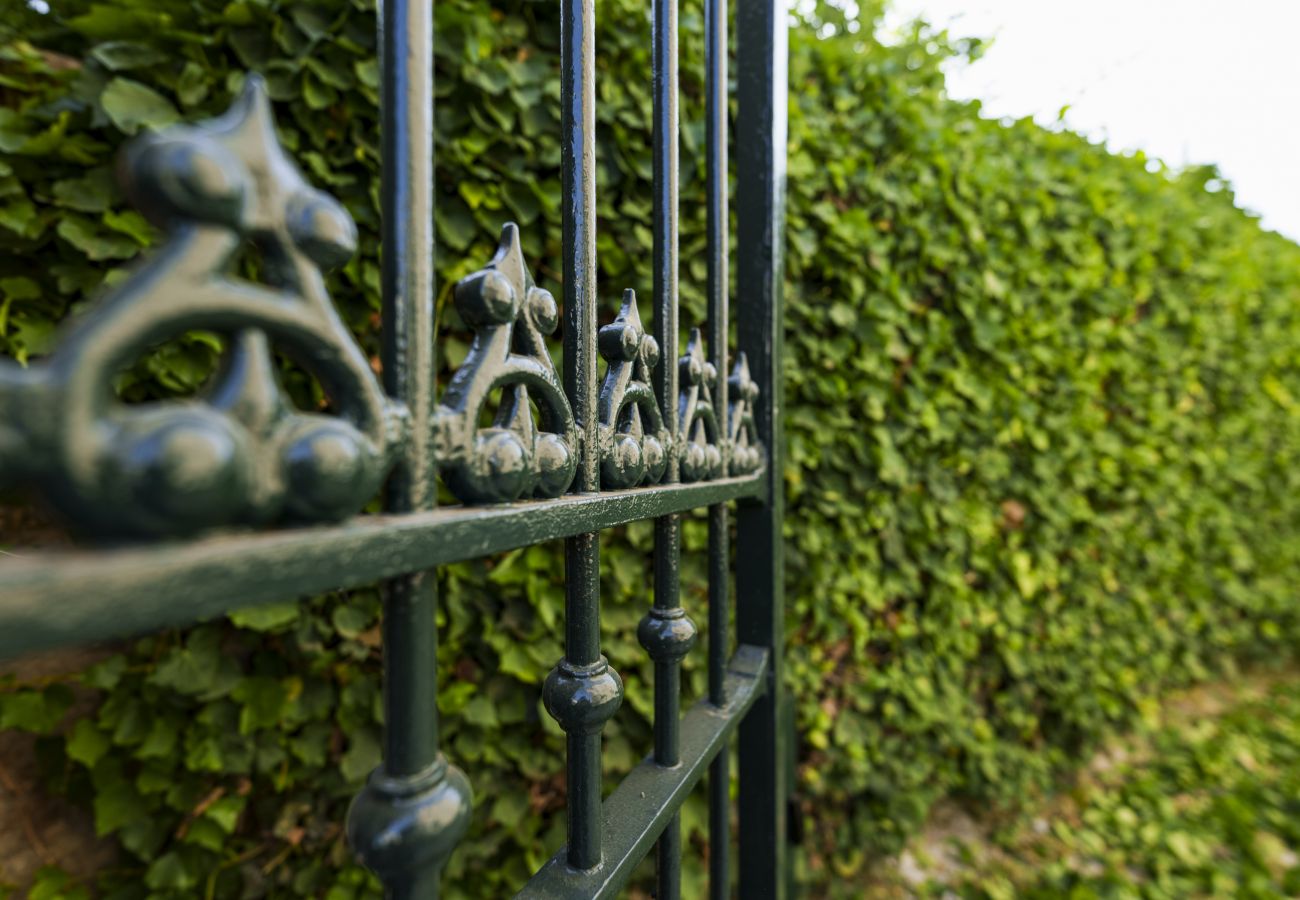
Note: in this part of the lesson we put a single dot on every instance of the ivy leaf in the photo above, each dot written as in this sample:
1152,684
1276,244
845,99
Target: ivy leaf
19,216
192,87
54,884
91,192
19,287
132,106
169,872
38,711
225,812
105,675
263,702
87,744
191,669
132,224
361,757
94,241
349,621
120,55
267,617
480,711
117,804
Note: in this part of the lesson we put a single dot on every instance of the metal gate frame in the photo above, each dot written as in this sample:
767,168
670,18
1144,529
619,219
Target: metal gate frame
659,437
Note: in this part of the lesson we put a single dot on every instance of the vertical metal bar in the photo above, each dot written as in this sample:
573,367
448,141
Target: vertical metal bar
578,185
761,56
582,661
388,823
406,28
664,254
666,632
583,691
719,650
715,69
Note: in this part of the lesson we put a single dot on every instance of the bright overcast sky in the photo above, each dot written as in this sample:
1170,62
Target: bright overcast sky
1188,81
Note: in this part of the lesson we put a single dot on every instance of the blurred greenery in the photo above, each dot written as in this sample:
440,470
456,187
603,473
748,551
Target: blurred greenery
1204,806
1041,419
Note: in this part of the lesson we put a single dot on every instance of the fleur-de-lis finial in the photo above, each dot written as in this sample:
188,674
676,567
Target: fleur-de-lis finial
634,444
512,458
697,420
239,454
742,394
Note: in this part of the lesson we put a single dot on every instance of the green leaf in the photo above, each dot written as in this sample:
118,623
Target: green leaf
20,288
120,55
350,621
225,813
192,86
480,711
132,224
105,675
194,668
38,711
510,809
117,804
92,192
87,743
94,241
267,617
361,757
263,702
170,872
206,833
19,216
132,106
54,884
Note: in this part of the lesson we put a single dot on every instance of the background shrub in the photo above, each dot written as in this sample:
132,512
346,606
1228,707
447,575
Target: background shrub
1042,410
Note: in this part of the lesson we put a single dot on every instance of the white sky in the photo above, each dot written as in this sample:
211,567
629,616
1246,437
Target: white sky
1188,81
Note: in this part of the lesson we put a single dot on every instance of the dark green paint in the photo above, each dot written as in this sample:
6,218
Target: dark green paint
667,545
760,614
511,318
240,456
639,809
54,598
634,440
415,807
583,674
719,287
404,828
697,425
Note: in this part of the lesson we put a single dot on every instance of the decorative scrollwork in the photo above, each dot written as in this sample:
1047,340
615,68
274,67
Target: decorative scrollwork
701,450
240,454
634,444
742,393
511,458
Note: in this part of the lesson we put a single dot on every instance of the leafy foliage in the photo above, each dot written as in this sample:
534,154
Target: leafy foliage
1205,808
1041,405
1061,388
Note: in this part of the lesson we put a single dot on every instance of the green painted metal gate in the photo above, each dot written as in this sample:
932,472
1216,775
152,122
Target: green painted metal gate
237,498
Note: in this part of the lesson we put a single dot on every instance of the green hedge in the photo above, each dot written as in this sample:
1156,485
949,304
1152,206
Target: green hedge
1042,405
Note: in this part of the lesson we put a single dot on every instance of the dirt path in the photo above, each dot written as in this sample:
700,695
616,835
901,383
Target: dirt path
35,829
954,841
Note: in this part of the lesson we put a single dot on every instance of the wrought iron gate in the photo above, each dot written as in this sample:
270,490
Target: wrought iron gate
660,434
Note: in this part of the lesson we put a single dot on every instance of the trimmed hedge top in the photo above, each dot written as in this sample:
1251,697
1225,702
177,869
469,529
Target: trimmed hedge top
1041,421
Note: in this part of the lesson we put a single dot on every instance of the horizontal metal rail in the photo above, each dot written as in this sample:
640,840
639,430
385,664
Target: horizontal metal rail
53,598
648,798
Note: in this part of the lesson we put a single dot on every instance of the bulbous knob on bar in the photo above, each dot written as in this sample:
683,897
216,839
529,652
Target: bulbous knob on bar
400,826
667,634
582,698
